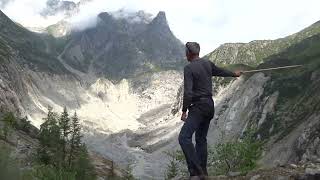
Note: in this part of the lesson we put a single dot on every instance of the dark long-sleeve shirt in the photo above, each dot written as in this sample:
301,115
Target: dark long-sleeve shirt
198,80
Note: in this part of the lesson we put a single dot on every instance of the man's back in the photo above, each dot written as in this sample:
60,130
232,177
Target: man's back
198,79
201,77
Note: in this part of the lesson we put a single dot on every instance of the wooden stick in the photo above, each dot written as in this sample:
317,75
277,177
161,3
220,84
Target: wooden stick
269,69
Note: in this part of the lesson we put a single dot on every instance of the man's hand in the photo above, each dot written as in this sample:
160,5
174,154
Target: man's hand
238,73
184,116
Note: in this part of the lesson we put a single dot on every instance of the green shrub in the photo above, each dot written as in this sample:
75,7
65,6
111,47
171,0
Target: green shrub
9,122
48,172
8,166
173,166
177,165
237,156
128,174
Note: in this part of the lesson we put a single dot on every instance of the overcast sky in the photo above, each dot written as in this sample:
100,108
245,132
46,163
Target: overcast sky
209,22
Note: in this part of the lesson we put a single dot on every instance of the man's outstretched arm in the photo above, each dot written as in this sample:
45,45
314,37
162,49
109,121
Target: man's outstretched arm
216,71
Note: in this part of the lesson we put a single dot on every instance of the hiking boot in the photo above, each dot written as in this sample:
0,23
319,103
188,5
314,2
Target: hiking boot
203,177
194,178
200,177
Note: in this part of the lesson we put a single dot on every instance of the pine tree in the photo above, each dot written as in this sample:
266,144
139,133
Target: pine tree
49,137
65,130
75,141
61,147
82,166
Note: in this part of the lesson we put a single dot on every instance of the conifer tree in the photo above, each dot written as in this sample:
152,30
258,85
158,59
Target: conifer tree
65,130
61,147
75,141
49,138
82,166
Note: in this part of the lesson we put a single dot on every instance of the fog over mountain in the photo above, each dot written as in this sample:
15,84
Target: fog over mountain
210,22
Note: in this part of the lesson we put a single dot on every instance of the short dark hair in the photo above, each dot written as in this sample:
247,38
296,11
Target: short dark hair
192,48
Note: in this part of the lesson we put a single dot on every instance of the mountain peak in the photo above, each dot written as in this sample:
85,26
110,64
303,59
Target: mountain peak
160,19
5,21
2,15
133,17
106,17
162,15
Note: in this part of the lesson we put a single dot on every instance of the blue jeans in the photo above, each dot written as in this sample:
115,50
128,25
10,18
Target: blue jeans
198,122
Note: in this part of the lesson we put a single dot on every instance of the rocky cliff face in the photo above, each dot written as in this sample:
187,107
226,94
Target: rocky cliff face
120,48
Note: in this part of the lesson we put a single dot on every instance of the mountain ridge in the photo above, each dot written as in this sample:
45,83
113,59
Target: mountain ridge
254,52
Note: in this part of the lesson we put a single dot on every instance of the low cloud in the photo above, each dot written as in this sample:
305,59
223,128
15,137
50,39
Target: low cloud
210,22
28,13
3,3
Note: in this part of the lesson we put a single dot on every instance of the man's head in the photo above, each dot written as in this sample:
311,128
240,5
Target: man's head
192,50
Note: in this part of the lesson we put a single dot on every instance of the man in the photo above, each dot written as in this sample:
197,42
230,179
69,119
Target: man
197,99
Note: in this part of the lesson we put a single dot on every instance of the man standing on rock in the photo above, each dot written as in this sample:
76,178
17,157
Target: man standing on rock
197,99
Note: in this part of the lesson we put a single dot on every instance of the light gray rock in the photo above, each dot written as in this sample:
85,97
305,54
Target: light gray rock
294,166
234,174
255,177
282,178
312,171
